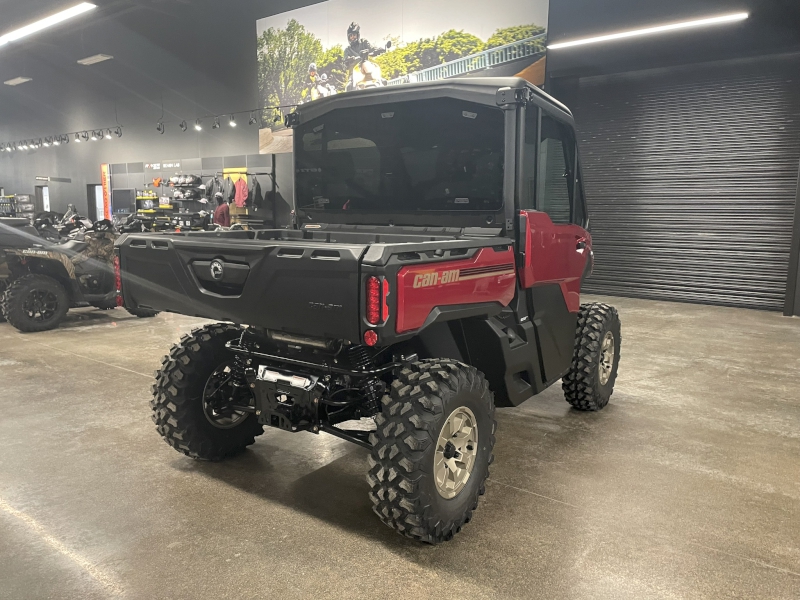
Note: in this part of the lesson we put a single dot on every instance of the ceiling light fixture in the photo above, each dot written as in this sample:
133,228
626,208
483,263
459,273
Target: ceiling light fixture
93,60
252,118
57,140
233,121
18,80
198,126
85,136
729,18
108,134
183,126
77,138
94,136
118,132
46,22
216,123
46,143
69,13
160,127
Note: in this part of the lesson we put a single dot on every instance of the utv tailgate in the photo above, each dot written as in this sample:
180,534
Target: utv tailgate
293,285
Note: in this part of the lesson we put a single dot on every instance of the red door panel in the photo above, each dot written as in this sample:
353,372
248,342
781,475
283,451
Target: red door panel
489,276
555,254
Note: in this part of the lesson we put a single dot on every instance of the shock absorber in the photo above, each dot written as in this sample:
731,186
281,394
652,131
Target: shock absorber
372,390
359,357
239,365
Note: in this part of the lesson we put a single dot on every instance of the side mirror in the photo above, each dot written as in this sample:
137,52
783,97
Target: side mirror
388,44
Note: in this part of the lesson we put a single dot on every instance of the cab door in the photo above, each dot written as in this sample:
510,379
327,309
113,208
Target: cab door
554,242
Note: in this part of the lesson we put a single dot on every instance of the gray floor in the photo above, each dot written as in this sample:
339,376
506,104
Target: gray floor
686,486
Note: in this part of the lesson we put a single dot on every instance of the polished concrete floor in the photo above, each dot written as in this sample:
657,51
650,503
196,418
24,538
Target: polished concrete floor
686,486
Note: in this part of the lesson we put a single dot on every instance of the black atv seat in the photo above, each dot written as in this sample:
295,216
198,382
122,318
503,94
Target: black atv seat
73,246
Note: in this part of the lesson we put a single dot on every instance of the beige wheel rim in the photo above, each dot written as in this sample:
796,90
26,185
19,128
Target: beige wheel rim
606,365
456,450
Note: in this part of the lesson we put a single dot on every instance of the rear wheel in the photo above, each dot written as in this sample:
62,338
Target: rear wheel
196,394
35,303
589,383
432,449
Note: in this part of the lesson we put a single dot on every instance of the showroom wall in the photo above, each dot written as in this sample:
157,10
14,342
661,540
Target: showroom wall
199,59
690,144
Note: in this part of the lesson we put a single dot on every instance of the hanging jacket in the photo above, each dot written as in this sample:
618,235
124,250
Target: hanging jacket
213,186
230,190
241,193
256,197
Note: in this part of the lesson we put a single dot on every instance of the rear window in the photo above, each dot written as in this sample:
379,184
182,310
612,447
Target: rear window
423,155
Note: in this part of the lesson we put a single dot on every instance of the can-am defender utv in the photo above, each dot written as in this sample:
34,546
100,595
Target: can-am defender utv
436,274
45,279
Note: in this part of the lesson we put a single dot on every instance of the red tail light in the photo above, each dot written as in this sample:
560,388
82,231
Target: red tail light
370,338
118,280
384,304
373,300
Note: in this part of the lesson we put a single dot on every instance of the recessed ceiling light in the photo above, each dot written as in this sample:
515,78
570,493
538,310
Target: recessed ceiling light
46,22
93,60
18,80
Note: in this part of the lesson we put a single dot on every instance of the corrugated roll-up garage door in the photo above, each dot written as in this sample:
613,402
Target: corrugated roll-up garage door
690,176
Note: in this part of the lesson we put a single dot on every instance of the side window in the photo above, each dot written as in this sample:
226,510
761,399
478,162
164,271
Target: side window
527,193
556,170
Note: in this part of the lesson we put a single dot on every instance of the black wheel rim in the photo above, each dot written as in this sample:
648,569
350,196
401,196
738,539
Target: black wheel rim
222,395
40,305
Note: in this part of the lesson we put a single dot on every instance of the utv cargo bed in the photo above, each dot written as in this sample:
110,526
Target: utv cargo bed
282,280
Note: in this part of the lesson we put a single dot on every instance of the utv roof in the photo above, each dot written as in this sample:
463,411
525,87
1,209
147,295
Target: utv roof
476,89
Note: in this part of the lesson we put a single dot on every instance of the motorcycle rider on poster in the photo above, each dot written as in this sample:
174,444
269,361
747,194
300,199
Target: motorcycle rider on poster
362,72
352,54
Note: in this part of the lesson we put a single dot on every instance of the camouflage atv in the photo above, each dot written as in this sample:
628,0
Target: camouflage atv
45,280
14,233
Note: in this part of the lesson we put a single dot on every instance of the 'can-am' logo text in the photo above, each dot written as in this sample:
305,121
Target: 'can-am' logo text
430,279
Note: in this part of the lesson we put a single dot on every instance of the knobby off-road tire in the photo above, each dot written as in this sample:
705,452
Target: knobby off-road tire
18,303
177,402
589,383
3,286
404,491
142,313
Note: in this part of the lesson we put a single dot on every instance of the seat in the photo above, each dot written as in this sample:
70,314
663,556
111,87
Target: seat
72,246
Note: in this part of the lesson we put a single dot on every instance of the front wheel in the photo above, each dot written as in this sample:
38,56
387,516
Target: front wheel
200,407
589,383
432,449
35,303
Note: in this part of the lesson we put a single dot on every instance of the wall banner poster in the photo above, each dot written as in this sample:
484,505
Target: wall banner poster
342,45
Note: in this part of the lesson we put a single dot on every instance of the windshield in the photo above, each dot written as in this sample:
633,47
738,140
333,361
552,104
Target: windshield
422,155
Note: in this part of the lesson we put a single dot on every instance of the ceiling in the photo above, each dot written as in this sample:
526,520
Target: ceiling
773,27
198,55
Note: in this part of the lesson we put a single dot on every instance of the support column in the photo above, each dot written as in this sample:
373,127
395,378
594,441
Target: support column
792,304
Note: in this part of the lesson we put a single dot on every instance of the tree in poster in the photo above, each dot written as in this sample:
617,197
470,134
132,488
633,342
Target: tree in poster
331,63
283,59
428,52
507,35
